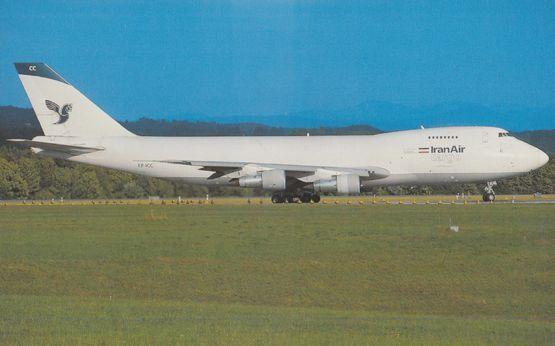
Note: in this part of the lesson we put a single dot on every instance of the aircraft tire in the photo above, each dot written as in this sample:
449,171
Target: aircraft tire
488,197
277,198
305,197
315,198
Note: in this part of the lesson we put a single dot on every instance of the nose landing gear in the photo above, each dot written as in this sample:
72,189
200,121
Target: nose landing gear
291,197
489,194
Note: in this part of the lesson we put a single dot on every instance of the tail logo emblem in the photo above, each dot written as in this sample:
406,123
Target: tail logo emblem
62,112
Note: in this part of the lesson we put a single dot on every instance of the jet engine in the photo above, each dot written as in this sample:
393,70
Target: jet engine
269,180
344,184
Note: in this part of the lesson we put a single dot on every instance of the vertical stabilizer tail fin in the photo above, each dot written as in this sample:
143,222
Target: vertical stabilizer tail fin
61,109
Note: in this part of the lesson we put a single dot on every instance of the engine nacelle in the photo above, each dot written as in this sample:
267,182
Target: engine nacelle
344,184
268,180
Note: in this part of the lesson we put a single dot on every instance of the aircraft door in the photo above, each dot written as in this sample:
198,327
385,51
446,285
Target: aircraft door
485,137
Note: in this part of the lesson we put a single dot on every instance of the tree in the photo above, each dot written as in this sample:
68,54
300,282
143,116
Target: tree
47,168
61,184
30,173
85,184
12,185
133,190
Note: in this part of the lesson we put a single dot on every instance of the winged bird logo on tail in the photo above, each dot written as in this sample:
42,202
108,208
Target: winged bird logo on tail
62,112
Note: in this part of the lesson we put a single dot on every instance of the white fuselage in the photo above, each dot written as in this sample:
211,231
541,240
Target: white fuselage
424,156
78,130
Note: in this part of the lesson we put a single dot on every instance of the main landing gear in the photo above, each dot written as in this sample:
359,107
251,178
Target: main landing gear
291,197
489,194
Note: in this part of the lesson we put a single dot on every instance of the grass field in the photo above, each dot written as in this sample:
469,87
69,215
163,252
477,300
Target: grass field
277,274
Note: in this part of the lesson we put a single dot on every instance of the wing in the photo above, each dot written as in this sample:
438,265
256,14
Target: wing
219,168
52,106
222,168
62,148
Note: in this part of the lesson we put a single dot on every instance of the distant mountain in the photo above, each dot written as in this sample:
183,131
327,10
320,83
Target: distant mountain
18,123
152,127
390,116
543,139
22,123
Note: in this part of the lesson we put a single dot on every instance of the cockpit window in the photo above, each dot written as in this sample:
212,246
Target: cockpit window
504,134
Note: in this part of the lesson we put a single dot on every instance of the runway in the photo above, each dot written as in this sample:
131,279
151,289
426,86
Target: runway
326,200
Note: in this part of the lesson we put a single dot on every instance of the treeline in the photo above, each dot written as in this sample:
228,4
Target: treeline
24,175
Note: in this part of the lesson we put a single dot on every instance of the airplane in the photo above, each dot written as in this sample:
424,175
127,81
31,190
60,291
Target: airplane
293,168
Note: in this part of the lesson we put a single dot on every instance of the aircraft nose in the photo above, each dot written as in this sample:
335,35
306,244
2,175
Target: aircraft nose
537,158
543,158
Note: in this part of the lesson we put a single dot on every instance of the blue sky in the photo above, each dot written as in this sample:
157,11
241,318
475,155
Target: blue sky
259,58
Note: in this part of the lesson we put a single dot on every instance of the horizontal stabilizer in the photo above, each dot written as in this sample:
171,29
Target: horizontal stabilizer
63,148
